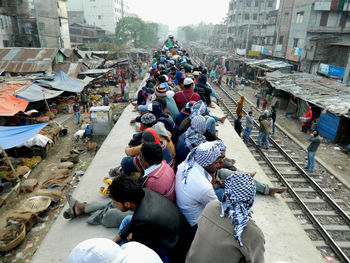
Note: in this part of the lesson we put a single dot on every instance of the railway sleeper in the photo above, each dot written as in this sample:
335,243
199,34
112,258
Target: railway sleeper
318,213
328,227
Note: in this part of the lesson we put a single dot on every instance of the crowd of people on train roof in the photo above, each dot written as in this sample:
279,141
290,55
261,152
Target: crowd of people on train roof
175,197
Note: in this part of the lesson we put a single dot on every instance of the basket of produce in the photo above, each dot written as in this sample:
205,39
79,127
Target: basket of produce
11,236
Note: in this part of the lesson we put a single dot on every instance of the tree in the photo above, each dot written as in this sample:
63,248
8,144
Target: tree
136,31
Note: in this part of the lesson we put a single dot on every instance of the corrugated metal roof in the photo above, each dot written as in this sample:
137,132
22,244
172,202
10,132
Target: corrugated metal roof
326,93
27,60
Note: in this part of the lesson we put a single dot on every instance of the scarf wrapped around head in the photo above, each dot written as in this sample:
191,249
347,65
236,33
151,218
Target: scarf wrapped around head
204,154
237,201
194,134
221,145
198,109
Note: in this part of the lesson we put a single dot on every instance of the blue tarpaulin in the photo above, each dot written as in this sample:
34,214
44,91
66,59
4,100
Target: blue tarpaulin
36,93
62,81
12,136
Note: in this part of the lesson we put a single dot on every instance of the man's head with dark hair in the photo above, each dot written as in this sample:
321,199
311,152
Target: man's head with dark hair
250,112
151,154
204,71
315,133
126,192
188,69
239,117
161,79
163,72
180,81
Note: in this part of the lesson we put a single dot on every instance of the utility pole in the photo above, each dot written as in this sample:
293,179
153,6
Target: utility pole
247,40
122,7
347,71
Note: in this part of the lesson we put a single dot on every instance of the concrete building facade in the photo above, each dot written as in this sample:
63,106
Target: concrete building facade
247,23
100,13
306,33
34,23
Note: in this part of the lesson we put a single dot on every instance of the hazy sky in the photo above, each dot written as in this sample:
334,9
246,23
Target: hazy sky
180,12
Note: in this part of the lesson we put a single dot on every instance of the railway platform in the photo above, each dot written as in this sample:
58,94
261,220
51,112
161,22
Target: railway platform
285,238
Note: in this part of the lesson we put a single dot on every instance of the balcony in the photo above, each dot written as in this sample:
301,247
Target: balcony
325,29
325,5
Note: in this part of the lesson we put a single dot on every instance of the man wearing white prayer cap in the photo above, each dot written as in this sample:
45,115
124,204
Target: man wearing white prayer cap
103,250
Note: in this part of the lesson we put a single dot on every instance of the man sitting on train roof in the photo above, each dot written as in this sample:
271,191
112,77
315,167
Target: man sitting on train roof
238,238
156,222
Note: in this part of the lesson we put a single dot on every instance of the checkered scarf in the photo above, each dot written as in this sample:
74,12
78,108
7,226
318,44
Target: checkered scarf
198,109
237,201
204,154
194,134
221,145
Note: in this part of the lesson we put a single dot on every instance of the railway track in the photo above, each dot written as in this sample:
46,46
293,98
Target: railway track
317,205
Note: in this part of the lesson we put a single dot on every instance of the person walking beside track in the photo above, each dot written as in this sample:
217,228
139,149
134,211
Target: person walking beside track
264,132
248,126
239,109
76,109
315,140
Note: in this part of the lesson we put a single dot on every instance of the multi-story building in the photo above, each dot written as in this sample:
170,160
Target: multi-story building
101,13
82,34
247,23
307,33
217,37
34,23
314,25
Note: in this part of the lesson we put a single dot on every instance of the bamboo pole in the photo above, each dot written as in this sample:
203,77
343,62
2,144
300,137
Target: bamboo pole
9,161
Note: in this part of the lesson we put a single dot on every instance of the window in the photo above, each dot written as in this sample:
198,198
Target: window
286,17
41,26
246,16
6,43
343,19
255,16
99,17
295,43
0,3
1,23
280,41
270,4
300,17
256,3
324,19
248,3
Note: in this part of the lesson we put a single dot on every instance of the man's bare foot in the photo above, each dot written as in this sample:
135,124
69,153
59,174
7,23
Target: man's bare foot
252,174
211,106
278,190
222,120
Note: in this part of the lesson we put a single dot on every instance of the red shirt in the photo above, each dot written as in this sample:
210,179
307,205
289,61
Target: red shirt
182,97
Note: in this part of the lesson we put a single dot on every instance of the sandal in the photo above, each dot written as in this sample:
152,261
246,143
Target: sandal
104,190
70,212
107,181
113,172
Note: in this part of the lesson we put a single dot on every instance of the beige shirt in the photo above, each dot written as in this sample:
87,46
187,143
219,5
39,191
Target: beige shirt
215,242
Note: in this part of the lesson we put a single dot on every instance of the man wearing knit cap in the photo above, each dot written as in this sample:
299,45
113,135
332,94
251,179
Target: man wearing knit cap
225,232
160,91
182,97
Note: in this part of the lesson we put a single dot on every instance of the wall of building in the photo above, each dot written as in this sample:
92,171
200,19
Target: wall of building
5,31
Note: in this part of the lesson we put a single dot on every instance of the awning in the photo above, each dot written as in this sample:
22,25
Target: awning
95,71
13,136
62,81
37,93
10,105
